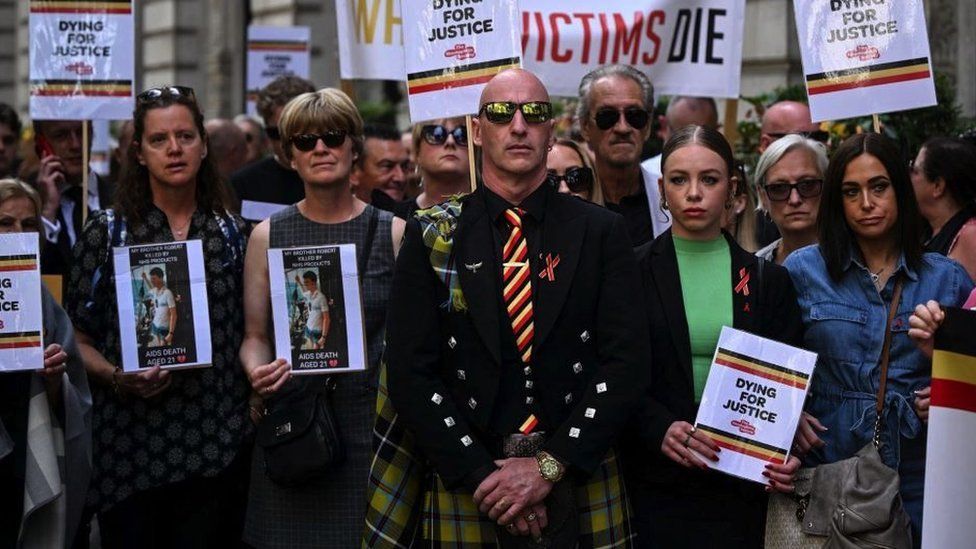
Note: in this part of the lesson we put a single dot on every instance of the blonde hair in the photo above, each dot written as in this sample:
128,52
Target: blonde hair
596,193
15,188
322,110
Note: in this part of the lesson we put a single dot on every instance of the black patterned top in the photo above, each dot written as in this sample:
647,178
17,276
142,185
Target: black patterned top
197,425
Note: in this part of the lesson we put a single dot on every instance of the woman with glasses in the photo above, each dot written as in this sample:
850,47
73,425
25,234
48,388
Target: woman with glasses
322,137
789,176
869,232
944,179
696,280
442,161
37,408
169,457
569,164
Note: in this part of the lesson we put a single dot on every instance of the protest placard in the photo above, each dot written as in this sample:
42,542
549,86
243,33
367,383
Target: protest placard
864,57
81,59
949,476
687,47
101,148
164,318
317,309
21,321
752,401
274,52
452,50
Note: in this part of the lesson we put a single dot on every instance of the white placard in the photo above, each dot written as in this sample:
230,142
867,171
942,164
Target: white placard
274,52
752,401
164,317
863,58
452,51
317,309
21,321
100,160
254,210
686,47
81,60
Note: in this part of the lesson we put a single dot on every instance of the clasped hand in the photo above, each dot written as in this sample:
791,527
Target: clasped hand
513,496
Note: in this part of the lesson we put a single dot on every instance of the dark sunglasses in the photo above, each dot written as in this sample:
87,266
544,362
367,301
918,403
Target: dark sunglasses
307,141
579,179
273,133
607,118
819,136
437,135
806,188
152,94
502,112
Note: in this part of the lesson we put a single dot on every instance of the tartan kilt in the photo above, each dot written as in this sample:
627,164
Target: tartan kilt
408,505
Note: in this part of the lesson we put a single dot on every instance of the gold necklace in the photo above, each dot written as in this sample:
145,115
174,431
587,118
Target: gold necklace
178,233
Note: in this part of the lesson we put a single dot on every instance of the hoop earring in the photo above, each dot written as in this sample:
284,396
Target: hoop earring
664,204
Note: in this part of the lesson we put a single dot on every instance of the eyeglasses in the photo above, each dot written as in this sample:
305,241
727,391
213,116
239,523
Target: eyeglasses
579,179
307,141
152,94
437,135
819,136
806,188
607,118
502,112
272,132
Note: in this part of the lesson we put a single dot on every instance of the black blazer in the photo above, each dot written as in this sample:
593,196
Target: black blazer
56,259
590,356
770,310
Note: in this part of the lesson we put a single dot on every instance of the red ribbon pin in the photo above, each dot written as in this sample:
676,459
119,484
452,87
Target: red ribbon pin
549,273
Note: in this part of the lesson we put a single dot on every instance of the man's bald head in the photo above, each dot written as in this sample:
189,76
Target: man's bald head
691,111
782,118
228,145
503,83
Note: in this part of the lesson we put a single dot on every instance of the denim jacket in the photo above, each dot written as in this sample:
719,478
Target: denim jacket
844,323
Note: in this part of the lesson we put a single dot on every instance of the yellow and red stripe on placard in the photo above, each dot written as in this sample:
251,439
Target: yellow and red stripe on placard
82,88
761,368
954,380
743,445
18,263
458,77
114,7
19,340
874,75
277,45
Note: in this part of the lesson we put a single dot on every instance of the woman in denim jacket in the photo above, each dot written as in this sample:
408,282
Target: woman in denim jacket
870,233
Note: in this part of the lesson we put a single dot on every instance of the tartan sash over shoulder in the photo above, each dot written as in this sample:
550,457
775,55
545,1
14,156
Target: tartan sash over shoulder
408,505
438,224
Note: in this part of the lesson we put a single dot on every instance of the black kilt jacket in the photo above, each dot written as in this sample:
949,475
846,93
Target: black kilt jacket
590,352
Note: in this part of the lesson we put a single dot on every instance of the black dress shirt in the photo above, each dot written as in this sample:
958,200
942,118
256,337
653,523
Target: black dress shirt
637,215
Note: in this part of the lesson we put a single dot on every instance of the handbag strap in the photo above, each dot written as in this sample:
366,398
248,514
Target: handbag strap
885,355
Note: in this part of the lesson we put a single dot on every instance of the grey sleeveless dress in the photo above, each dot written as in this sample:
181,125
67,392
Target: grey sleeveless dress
330,510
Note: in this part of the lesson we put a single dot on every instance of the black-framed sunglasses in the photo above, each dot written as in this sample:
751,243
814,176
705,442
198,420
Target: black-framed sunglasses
819,136
152,94
780,191
306,142
273,133
607,117
437,135
579,179
502,112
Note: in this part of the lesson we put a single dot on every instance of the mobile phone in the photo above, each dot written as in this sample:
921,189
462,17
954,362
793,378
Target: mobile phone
42,147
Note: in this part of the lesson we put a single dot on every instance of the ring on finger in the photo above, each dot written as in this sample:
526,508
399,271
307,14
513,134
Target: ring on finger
530,517
687,440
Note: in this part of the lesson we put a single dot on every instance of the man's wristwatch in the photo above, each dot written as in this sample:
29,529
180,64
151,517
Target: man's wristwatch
549,467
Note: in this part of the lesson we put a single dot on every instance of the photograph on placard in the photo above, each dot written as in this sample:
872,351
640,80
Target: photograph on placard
317,308
163,314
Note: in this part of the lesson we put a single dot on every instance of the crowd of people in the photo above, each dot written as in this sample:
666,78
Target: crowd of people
537,347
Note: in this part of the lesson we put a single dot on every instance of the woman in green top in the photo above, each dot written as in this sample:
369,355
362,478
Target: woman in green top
697,280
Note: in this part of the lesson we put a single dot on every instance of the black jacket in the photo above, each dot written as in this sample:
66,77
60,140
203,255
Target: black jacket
590,353
56,259
770,310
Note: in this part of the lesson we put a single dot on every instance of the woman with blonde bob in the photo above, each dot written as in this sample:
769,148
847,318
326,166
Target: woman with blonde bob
56,403
322,137
442,162
789,176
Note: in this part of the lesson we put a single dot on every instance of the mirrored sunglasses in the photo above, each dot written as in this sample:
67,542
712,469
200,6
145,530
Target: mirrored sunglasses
502,112
306,142
437,135
607,118
153,94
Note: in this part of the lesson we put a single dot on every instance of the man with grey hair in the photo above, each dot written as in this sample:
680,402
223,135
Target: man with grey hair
614,112
257,140
683,110
228,144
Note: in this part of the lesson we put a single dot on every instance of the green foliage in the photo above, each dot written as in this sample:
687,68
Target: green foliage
378,112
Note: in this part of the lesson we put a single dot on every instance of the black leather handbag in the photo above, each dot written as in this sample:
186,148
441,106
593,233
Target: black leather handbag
300,437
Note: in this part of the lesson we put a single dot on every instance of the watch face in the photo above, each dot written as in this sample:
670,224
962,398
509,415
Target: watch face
549,469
